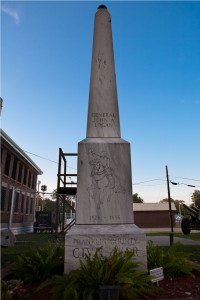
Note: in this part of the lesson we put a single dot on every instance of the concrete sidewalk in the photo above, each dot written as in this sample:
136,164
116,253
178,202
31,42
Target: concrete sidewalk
165,240
167,229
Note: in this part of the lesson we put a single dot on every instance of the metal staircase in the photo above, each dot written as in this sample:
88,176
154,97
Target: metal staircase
65,190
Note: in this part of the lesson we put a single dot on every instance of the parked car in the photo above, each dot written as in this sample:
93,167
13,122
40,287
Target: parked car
44,221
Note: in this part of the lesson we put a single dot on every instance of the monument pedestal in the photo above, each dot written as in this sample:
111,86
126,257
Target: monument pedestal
104,211
85,239
104,186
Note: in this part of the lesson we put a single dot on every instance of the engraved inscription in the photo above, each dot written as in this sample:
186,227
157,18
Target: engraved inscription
97,241
88,246
105,184
104,119
82,252
104,218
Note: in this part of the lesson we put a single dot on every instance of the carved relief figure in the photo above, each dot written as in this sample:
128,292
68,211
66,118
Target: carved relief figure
104,182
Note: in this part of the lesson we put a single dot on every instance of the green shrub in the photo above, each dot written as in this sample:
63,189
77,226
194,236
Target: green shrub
173,261
12,289
176,263
154,256
117,269
40,264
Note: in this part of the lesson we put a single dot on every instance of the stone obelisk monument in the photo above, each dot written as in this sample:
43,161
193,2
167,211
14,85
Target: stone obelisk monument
104,209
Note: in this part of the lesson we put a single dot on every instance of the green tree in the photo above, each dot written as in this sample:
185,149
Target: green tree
68,204
137,199
54,194
196,198
166,200
178,204
39,200
49,205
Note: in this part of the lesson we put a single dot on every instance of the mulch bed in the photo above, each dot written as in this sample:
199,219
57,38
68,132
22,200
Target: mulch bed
172,288
180,288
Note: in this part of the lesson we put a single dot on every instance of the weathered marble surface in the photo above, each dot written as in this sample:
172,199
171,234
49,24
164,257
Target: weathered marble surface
104,189
85,239
103,112
104,211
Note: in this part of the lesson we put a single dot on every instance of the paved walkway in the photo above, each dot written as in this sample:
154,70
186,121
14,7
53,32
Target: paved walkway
167,229
165,241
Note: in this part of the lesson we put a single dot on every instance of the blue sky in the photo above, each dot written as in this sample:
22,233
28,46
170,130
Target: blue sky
46,59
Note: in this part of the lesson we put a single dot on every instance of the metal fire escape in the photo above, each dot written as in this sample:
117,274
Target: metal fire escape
65,189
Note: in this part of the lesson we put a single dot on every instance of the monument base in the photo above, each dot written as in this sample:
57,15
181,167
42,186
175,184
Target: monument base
85,239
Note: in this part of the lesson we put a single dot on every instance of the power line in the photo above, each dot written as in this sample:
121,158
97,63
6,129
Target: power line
152,184
132,184
47,159
148,181
41,157
187,178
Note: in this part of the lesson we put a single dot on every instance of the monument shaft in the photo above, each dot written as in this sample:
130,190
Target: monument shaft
103,112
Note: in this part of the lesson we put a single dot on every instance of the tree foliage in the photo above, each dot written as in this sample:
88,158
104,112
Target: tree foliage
177,203
39,201
196,198
166,200
137,198
49,205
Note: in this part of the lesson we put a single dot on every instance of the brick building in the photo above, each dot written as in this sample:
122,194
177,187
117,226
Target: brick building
18,187
153,215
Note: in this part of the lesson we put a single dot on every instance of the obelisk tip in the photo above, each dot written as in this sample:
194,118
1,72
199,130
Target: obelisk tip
102,6
103,112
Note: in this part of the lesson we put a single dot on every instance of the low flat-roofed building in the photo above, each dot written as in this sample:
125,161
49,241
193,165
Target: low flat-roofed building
153,215
18,187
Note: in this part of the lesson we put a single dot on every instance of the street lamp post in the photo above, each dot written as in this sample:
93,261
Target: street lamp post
43,188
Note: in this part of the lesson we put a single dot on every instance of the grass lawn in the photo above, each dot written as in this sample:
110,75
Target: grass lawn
192,250
24,242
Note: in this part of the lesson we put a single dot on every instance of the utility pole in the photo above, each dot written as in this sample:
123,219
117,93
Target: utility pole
170,209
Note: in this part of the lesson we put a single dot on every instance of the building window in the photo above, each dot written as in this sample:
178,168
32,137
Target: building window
31,208
16,202
20,173
7,165
27,204
1,154
10,199
25,175
14,170
3,197
33,182
22,203
29,179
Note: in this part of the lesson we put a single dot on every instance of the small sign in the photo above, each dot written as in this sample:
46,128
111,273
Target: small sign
157,274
